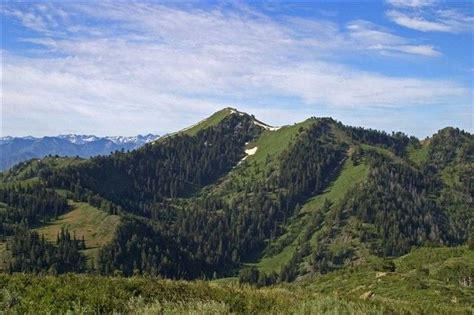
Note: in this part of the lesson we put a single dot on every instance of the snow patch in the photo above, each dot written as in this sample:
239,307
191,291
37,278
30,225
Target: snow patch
264,126
251,151
234,111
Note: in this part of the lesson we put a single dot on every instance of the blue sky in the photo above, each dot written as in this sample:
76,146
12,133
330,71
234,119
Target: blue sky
123,68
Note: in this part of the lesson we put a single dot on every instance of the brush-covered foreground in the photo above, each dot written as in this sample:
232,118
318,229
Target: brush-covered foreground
426,281
92,294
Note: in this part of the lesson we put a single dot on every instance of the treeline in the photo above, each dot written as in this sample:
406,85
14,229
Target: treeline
32,253
395,142
29,205
140,248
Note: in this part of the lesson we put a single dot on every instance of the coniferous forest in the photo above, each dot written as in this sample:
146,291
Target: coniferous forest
313,200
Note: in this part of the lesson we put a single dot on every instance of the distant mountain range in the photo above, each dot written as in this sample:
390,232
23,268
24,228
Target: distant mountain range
17,149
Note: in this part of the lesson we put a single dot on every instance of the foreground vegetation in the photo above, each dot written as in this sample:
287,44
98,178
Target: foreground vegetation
425,281
84,294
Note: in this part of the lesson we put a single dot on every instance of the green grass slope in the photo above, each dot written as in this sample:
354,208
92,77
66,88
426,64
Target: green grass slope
270,145
349,176
97,226
274,142
29,169
211,121
419,154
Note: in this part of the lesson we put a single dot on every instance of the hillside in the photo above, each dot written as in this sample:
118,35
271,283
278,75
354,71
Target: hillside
84,221
232,196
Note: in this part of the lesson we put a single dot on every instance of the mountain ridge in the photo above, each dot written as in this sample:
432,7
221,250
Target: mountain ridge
81,139
298,200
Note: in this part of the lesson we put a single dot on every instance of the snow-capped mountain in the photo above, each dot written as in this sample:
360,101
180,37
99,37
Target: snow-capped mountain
79,139
17,149
137,140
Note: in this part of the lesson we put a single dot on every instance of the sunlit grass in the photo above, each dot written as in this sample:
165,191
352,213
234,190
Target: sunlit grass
97,226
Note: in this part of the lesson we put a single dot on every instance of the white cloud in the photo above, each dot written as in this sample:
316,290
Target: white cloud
412,3
457,21
371,37
162,67
416,22
426,50
41,18
341,87
429,16
444,21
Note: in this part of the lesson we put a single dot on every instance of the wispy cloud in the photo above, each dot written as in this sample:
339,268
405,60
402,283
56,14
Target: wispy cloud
42,18
371,37
428,16
110,63
412,3
443,21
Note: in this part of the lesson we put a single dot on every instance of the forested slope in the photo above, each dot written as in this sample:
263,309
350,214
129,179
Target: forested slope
231,193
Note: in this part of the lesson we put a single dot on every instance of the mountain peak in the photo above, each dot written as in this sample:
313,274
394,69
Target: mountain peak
231,111
210,121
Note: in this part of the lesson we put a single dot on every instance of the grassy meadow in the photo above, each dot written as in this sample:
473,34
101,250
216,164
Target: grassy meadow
96,226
